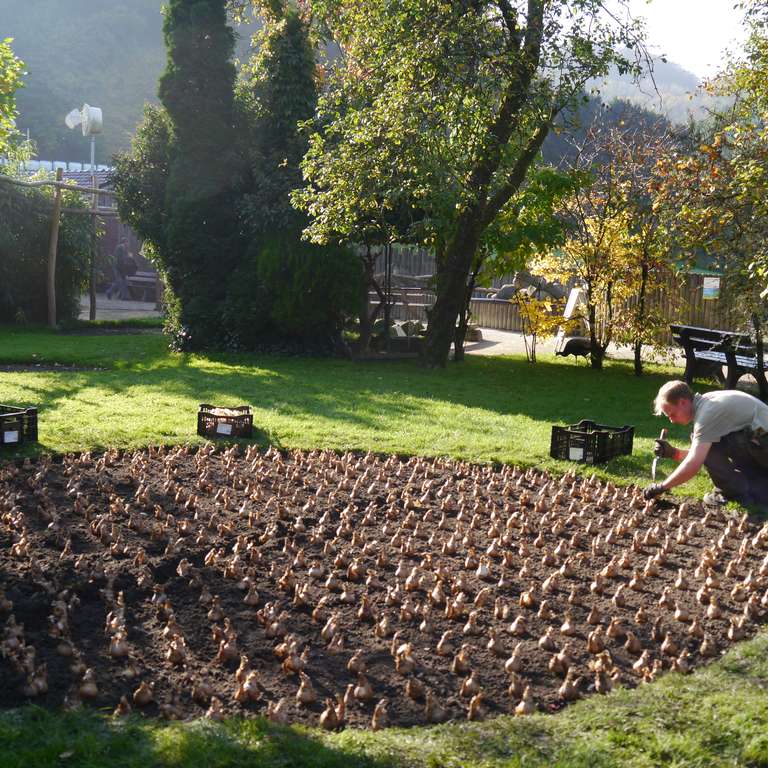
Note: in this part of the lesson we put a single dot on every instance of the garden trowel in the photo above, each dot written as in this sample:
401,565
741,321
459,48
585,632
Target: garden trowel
662,436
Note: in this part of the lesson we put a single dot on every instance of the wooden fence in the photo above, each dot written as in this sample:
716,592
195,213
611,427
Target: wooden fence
411,260
499,314
682,301
679,300
407,260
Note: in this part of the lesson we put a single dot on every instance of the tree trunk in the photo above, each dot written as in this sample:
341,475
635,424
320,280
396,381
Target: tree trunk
596,353
366,320
640,319
600,348
451,284
388,295
453,271
466,313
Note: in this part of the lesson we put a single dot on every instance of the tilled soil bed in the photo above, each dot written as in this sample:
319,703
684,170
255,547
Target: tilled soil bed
184,583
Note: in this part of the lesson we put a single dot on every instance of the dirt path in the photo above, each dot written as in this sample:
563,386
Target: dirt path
116,309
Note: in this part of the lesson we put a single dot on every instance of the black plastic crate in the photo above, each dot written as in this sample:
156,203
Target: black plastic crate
591,443
216,421
17,425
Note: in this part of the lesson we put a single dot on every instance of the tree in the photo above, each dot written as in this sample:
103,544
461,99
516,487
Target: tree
25,224
207,185
718,188
201,235
527,226
444,107
617,248
25,216
282,285
632,151
140,177
596,255
641,322
277,92
541,317
11,70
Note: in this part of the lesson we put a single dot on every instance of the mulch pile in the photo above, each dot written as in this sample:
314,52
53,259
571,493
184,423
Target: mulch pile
352,589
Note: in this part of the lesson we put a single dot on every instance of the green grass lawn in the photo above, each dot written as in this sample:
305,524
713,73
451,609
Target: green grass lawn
486,409
135,392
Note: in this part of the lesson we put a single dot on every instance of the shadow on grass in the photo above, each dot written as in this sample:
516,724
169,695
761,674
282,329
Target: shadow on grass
366,397
130,323
370,396
112,348
553,392
363,393
492,408
33,736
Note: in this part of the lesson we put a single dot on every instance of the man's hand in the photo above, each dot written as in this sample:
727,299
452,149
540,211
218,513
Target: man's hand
663,450
653,490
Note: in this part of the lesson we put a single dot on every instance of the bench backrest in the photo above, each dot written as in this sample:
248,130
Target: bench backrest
710,338
691,337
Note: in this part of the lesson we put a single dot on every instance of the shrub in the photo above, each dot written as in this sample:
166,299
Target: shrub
25,216
207,183
246,314
287,290
314,288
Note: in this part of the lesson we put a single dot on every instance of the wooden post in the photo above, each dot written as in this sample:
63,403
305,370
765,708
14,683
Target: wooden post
52,249
94,205
92,274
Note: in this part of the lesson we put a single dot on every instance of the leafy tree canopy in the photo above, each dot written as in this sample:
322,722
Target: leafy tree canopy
10,81
719,188
277,91
442,108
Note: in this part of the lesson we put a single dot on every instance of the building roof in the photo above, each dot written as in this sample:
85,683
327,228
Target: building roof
83,178
79,173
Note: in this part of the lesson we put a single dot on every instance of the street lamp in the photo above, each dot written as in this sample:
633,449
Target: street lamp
90,120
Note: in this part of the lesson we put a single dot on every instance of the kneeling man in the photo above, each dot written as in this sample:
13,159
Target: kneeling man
730,439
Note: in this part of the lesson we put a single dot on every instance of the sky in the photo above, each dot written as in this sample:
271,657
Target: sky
692,33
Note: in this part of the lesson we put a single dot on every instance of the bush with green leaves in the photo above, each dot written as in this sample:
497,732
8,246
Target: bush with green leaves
207,184
314,287
25,221
140,176
294,292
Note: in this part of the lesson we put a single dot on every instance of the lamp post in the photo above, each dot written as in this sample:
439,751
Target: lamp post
90,120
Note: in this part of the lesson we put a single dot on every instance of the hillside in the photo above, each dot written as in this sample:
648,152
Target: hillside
670,91
111,55
108,54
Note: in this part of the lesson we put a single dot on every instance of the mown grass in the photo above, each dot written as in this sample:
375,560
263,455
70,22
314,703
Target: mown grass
487,409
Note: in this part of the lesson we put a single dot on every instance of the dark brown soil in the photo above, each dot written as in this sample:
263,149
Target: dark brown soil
45,368
237,550
105,330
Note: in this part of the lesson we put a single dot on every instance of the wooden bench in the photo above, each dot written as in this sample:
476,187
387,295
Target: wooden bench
143,286
708,350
